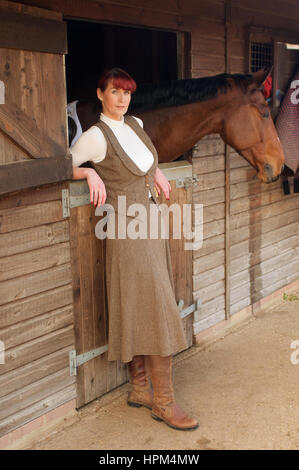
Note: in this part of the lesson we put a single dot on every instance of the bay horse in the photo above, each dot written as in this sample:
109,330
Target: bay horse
177,114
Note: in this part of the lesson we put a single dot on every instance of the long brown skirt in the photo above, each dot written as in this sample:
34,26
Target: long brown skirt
143,313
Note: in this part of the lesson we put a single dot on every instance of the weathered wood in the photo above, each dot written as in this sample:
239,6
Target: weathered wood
24,132
37,326
214,306
208,277
35,283
37,348
37,409
272,238
24,217
35,305
209,164
47,386
37,260
210,245
33,238
27,197
208,293
208,322
208,262
33,372
272,223
23,31
22,175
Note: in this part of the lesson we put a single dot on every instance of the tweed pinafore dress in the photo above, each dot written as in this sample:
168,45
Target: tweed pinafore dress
142,311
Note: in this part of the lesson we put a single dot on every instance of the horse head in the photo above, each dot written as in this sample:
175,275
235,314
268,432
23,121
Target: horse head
248,127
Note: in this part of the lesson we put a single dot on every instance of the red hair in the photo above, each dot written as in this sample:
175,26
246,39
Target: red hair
119,78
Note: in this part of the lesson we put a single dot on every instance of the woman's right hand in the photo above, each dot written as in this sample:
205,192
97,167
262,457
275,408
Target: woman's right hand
96,188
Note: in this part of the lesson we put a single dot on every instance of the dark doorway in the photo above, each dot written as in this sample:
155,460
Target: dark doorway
148,55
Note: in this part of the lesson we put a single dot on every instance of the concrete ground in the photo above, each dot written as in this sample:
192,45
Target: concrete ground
243,388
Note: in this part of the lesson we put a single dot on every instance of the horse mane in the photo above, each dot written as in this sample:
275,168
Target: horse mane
180,92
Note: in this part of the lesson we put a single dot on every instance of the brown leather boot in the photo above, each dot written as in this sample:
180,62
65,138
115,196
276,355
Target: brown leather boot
141,393
164,406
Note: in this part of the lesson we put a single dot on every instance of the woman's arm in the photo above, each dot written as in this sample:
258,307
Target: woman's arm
95,183
91,146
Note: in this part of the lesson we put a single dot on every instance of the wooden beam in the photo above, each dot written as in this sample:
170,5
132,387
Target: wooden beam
32,173
27,32
22,129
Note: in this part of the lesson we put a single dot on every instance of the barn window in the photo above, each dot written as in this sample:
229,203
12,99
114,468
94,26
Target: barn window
261,56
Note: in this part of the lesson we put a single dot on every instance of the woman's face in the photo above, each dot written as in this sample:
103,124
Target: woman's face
115,101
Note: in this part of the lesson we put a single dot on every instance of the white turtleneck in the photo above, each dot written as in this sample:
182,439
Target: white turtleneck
92,145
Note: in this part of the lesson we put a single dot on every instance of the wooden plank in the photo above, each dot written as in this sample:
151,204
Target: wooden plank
209,181
208,293
33,238
271,238
256,230
37,260
35,215
39,304
37,409
29,10
208,262
46,387
210,245
20,333
27,197
34,371
262,213
209,197
35,283
209,164
257,200
22,175
211,307
24,31
208,322
32,350
208,277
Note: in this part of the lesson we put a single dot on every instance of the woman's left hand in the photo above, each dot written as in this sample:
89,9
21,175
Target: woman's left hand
162,183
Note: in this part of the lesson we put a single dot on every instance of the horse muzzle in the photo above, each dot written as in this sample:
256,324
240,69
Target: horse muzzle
269,173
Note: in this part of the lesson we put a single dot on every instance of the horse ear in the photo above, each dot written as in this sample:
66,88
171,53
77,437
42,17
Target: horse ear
261,76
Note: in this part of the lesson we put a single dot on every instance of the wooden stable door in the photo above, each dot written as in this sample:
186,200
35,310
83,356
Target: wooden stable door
33,125
95,374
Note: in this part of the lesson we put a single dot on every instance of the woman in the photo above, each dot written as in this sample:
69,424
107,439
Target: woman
145,328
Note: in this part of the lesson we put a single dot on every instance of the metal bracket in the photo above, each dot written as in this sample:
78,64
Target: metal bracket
76,361
186,311
186,182
65,203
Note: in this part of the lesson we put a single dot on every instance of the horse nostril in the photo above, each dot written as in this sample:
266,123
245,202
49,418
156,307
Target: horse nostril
268,170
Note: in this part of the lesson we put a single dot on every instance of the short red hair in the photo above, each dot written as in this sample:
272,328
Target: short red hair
119,78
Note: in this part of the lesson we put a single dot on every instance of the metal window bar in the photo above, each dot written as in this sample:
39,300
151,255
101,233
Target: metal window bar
261,56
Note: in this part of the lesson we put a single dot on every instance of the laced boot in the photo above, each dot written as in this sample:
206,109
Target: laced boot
141,393
164,406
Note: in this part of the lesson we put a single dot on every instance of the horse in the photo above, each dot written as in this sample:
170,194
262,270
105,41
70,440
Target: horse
177,114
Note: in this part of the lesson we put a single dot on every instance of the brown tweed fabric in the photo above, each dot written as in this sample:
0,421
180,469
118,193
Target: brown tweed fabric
143,314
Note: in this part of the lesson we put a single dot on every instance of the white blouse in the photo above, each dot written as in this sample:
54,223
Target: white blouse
92,145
